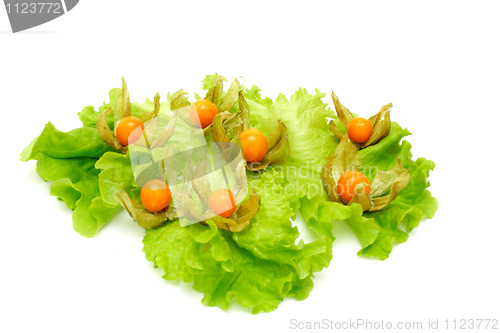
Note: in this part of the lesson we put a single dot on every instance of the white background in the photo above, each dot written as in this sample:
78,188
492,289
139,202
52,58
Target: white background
437,62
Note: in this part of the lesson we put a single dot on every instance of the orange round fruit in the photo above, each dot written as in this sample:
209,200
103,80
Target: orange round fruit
359,130
127,131
155,195
253,144
347,184
222,202
202,113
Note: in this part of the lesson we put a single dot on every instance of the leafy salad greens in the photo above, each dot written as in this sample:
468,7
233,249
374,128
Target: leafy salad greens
258,264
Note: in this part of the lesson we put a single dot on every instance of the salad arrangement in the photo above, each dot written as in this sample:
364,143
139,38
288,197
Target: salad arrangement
245,247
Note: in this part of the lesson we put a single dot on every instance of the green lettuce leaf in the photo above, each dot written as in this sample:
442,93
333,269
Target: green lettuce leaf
271,235
68,159
311,142
412,204
81,142
220,269
267,261
116,175
74,160
75,181
88,116
310,138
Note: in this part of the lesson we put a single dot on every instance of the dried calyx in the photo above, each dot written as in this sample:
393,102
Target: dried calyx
384,188
122,110
236,222
241,217
381,123
224,122
143,217
239,220
227,126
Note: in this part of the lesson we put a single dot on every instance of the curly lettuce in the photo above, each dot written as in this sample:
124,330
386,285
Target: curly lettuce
220,266
268,261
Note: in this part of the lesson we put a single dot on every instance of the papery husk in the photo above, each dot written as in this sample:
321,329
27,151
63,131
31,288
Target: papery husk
231,97
329,184
220,136
238,167
395,179
383,179
147,135
398,184
151,139
278,148
166,133
156,110
218,130
214,93
202,188
233,124
189,209
338,134
241,217
245,111
105,132
239,121
122,107
361,197
151,171
179,100
381,122
344,158
345,116
143,217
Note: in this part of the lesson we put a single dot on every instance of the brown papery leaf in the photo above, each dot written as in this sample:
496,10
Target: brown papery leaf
143,217
166,133
189,207
278,148
241,217
220,136
150,115
383,179
361,197
148,134
345,157
214,93
105,132
239,121
397,186
381,123
221,222
230,97
245,111
329,183
152,171
200,185
248,209
179,100
122,107
335,130
345,116
233,124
